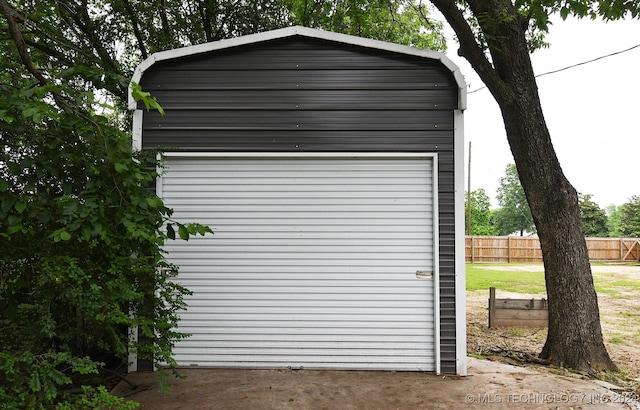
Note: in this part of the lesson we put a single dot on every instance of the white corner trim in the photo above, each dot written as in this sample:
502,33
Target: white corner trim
133,356
436,267
460,279
136,142
462,90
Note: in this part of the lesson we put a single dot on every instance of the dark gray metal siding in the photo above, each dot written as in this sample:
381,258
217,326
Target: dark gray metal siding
299,94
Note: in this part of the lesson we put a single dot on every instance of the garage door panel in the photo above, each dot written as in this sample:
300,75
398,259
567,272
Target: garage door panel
215,337
267,190
274,263
339,306
313,262
230,298
310,362
203,272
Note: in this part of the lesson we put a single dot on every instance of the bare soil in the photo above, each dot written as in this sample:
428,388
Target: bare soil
503,373
619,315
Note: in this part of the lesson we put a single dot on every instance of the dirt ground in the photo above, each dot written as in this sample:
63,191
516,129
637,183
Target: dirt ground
501,374
619,315
490,385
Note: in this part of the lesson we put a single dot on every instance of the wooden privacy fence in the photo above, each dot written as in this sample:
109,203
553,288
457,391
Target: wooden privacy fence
479,249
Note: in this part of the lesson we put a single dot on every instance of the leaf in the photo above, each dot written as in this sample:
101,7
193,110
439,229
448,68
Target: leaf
30,112
44,216
40,91
171,233
7,204
61,235
203,229
6,117
20,206
14,228
14,220
154,202
145,97
120,167
183,232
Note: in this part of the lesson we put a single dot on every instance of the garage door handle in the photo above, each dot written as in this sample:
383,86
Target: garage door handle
424,274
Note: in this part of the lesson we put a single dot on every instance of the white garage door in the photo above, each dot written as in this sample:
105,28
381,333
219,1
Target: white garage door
313,262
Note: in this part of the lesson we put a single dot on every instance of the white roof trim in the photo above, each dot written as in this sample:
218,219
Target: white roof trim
305,32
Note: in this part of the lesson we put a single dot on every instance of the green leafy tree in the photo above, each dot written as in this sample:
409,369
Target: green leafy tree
481,214
629,226
81,239
594,218
81,236
613,220
398,21
496,37
514,214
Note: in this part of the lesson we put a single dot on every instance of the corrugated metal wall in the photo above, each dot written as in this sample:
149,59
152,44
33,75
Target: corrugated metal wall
300,94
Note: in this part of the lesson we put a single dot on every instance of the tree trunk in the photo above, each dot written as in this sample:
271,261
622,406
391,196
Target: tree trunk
575,336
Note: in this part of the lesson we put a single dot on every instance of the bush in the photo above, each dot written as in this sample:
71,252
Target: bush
82,250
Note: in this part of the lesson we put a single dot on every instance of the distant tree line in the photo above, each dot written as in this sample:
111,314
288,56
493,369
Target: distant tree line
514,217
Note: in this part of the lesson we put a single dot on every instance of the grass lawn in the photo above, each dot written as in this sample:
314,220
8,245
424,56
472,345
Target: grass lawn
508,277
529,278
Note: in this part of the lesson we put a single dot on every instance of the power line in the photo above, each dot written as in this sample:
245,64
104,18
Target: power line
573,65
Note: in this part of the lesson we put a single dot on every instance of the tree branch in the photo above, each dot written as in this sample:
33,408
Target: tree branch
136,28
90,32
227,15
469,48
205,16
14,30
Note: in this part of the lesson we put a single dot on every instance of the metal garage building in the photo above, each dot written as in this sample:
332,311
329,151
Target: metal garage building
331,170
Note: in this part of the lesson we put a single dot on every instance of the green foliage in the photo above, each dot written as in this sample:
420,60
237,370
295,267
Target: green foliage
481,214
399,21
594,218
38,381
514,214
613,220
149,101
629,226
96,398
82,243
538,14
82,236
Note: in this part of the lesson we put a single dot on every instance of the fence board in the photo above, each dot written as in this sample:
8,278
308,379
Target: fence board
492,249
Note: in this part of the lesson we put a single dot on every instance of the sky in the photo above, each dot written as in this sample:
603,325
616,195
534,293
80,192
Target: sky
592,111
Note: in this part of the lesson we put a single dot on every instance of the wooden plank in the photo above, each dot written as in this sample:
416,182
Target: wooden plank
492,306
521,323
631,248
523,315
523,304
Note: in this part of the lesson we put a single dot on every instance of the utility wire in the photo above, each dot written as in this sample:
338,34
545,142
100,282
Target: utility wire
573,65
